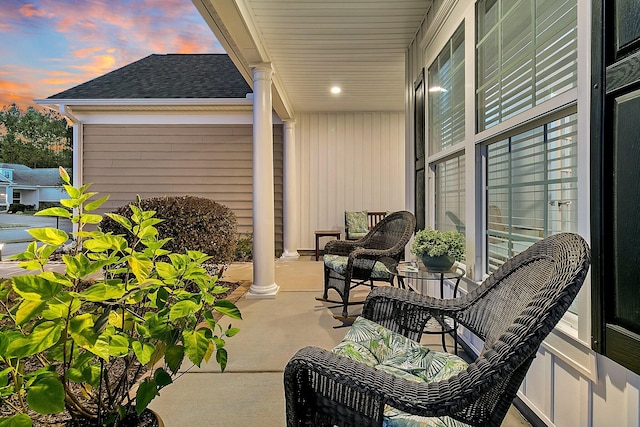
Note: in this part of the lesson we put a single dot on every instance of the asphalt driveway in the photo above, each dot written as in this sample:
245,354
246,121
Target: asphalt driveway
15,239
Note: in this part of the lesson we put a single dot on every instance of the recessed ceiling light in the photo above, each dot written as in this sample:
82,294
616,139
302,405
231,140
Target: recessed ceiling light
335,90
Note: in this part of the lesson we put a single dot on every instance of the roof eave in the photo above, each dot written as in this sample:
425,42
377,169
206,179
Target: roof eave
230,23
72,107
144,101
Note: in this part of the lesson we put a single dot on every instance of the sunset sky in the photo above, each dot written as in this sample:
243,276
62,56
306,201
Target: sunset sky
52,45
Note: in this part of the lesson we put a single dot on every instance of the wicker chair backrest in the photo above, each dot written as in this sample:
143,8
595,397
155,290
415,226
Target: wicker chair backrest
529,290
392,232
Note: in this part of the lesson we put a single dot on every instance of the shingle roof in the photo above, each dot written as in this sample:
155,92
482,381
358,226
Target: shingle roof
166,76
24,175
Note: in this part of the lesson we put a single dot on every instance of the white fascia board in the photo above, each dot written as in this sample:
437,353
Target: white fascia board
164,117
147,102
155,111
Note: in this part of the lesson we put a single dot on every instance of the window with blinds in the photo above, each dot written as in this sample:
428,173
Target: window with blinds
446,95
531,188
526,53
449,195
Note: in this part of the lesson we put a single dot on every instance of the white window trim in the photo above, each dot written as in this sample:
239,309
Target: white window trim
570,339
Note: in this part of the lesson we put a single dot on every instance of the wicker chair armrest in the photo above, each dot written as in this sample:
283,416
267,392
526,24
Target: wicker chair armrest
347,386
365,253
405,312
340,247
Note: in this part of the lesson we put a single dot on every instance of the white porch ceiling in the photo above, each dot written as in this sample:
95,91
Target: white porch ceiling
358,45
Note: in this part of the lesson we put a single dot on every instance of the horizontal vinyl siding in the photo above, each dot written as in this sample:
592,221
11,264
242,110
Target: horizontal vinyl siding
347,161
211,161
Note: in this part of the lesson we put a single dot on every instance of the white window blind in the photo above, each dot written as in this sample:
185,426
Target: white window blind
526,53
531,188
446,95
449,197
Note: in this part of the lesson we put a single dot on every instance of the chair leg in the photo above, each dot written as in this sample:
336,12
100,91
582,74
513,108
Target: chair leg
326,284
345,298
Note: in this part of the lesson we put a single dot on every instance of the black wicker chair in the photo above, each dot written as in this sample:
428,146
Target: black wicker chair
348,264
512,311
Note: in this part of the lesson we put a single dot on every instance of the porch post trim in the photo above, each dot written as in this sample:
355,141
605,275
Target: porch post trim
290,199
264,285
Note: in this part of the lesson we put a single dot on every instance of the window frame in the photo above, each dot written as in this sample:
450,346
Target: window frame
570,340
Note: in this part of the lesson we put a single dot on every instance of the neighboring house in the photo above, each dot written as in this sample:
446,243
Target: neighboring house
169,125
21,184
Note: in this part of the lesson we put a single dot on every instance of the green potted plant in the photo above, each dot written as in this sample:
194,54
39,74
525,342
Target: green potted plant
97,342
438,250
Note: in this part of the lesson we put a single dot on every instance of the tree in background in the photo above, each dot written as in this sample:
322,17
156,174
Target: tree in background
35,138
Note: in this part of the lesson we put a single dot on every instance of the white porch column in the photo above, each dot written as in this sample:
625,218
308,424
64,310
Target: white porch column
290,214
264,285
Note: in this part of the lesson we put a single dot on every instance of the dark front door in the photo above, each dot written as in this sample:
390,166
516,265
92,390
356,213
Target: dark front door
615,168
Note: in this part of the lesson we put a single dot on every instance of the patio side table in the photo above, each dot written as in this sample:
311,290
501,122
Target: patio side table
441,325
324,233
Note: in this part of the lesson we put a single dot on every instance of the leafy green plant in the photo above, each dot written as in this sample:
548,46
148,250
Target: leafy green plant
104,337
437,243
244,248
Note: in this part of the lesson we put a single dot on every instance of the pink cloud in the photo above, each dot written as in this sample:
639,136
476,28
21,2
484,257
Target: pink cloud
100,36
30,10
12,92
86,52
99,64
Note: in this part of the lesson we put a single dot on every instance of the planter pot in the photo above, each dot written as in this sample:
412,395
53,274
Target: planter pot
148,418
439,263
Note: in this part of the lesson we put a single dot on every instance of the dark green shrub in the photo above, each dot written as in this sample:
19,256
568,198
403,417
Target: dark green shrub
191,222
19,207
244,248
46,205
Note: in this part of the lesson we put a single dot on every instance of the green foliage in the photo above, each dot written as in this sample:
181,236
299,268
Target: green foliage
244,248
34,138
190,222
19,207
116,312
47,205
436,243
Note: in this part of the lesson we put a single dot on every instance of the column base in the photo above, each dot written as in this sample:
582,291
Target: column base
262,292
290,255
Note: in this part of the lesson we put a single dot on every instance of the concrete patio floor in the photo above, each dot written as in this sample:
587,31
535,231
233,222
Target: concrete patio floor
250,391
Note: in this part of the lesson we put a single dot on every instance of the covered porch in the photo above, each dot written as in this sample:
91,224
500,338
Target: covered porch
471,79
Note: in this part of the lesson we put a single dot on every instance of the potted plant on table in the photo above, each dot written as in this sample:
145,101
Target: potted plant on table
438,250
99,341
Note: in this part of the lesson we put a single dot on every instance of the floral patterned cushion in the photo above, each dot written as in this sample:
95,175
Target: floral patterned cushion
357,222
377,346
356,236
338,263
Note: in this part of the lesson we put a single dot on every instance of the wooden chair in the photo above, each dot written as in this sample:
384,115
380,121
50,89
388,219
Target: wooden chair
358,224
512,311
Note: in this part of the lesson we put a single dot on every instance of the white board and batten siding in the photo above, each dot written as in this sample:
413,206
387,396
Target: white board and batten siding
210,161
347,162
